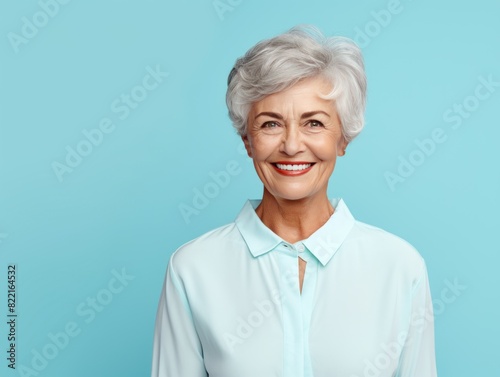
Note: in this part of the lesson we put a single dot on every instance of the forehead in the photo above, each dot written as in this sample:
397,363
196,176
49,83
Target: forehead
302,96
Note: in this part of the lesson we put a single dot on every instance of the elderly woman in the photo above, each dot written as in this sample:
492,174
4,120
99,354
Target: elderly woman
296,286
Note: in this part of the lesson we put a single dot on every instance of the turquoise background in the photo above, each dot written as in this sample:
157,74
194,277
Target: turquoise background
119,208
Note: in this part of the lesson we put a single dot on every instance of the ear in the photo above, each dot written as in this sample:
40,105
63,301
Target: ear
341,147
247,145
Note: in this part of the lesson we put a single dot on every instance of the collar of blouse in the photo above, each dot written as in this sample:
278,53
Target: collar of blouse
323,243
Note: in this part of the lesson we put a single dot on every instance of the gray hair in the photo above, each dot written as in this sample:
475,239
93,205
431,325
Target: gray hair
276,64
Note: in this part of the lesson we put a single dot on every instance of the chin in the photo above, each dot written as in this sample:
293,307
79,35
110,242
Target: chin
293,194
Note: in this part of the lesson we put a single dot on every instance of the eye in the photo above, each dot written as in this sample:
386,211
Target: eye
315,124
270,124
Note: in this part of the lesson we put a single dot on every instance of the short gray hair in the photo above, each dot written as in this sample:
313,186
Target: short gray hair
276,64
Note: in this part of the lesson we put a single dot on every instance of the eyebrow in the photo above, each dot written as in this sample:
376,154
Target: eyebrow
304,115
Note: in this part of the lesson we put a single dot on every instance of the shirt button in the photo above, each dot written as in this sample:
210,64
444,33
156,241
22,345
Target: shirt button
300,248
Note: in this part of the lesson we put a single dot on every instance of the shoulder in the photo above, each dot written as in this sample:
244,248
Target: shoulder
387,248
205,249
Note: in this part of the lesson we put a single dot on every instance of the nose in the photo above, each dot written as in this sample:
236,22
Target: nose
292,141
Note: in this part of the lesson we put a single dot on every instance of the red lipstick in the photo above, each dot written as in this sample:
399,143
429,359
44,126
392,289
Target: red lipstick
292,168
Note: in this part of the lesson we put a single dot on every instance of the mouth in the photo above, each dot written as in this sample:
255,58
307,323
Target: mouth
292,168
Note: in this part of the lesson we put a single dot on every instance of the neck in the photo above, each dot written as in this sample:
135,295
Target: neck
294,220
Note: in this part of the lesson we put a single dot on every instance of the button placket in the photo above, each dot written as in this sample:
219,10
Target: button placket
293,321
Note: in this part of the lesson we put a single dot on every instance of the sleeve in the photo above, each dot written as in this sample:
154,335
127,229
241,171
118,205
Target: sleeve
177,350
418,355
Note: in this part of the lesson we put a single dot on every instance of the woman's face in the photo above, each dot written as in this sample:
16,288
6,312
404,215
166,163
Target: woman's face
294,138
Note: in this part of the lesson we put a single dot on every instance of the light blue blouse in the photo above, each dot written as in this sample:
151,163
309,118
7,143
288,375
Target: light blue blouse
231,304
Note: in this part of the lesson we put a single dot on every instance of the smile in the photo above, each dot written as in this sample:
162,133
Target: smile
292,168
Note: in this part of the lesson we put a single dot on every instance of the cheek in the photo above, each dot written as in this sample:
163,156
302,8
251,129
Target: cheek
326,150
262,148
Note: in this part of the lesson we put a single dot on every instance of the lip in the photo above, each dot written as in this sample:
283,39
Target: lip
293,173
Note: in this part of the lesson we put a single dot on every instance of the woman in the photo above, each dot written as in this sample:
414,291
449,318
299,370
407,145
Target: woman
295,286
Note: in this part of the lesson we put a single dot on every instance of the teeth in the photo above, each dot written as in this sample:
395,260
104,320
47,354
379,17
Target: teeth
293,167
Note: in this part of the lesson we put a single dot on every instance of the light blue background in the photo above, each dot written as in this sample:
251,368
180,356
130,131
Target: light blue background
120,207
